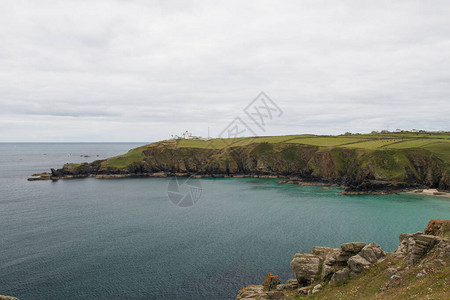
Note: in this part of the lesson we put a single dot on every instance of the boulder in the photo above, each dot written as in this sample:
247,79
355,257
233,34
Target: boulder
331,257
340,276
305,267
327,272
304,290
358,264
258,292
316,289
372,253
7,298
292,281
391,271
423,244
321,250
354,247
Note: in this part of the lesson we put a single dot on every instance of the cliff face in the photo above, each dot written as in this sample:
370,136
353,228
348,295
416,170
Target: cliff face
359,169
418,268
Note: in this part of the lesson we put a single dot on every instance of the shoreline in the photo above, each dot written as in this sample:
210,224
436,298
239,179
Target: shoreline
379,188
430,192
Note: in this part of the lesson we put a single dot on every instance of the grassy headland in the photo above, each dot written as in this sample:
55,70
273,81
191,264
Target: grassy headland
362,161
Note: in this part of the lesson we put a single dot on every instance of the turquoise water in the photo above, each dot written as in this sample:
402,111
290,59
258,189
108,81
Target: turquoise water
123,239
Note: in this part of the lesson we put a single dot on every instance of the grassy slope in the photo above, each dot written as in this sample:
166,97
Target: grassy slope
435,143
435,285
371,283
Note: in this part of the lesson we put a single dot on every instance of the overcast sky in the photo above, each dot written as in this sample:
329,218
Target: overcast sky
142,70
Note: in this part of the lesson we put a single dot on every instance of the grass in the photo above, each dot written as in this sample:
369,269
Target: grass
436,143
371,284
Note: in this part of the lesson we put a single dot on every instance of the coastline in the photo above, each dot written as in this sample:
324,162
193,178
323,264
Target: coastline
368,188
431,192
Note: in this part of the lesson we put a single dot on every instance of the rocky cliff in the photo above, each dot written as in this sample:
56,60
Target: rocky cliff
418,268
359,170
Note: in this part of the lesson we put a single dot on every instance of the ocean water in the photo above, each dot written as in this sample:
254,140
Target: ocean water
124,239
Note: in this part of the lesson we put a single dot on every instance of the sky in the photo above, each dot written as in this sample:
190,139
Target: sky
138,71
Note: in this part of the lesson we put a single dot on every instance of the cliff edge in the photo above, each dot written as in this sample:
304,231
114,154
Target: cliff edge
419,268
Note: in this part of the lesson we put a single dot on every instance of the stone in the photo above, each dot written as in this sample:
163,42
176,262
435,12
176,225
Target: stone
316,289
343,257
327,272
321,250
354,247
292,282
305,267
304,291
391,271
258,292
340,276
7,298
331,257
423,244
394,281
358,264
372,253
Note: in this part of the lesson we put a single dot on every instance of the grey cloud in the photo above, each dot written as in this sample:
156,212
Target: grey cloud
137,68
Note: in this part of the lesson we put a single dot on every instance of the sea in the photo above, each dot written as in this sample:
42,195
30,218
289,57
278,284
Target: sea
129,238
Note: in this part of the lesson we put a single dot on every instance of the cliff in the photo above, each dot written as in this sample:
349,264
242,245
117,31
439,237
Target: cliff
372,166
419,268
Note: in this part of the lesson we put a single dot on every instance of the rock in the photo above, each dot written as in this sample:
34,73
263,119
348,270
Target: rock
423,244
7,298
354,247
340,276
316,289
304,291
391,271
372,253
394,281
358,264
258,293
327,272
331,257
321,250
292,282
343,257
305,267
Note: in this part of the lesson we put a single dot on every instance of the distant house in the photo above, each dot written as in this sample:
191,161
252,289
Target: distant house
385,131
188,136
398,130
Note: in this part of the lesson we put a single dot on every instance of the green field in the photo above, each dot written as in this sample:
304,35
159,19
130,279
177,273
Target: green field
436,143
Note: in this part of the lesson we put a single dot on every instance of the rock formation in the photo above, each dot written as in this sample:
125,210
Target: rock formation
326,266
360,171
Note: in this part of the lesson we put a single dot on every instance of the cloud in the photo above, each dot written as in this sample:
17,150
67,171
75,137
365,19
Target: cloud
143,70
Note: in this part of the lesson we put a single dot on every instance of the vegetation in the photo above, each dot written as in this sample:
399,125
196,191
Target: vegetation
413,159
371,284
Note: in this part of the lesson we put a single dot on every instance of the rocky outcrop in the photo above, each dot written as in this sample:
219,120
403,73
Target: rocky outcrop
330,266
306,267
335,265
